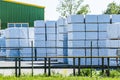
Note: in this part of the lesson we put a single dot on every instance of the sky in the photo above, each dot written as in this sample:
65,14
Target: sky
96,6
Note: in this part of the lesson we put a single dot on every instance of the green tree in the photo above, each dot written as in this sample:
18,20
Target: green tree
69,7
112,8
84,9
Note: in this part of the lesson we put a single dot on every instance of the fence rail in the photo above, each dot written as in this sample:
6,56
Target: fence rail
47,64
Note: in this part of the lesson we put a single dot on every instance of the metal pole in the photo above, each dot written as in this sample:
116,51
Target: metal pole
85,45
102,65
19,67
35,54
32,56
91,58
74,66
16,67
79,66
45,59
49,71
108,73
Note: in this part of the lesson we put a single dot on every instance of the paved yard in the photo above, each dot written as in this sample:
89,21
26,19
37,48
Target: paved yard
28,71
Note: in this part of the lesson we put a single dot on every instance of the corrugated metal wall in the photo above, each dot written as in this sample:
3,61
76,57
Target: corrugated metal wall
12,12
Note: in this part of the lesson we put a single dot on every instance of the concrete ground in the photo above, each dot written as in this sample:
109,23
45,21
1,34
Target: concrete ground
36,71
29,64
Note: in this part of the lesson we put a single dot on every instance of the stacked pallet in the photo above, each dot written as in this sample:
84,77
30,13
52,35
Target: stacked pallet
113,41
40,38
51,36
16,38
62,40
2,44
82,31
103,22
76,37
91,38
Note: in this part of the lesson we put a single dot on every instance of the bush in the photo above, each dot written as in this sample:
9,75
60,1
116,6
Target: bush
87,72
115,73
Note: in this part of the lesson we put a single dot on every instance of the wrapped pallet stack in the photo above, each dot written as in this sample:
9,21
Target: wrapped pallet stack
76,37
40,38
31,36
62,40
16,40
27,51
2,43
86,33
91,38
103,22
113,41
51,35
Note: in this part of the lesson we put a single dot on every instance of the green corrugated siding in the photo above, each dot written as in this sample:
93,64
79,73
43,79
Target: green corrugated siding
11,12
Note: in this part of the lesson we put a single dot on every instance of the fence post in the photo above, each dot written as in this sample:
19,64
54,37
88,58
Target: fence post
74,66
45,59
102,65
91,57
79,66
108,71
16,67
35,54
19,66
49,71
32,56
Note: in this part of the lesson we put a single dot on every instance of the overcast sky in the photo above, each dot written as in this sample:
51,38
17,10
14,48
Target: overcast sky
96,6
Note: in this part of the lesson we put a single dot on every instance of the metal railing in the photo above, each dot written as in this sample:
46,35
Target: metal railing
47,65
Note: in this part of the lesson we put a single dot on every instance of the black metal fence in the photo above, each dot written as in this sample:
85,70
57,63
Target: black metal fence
47,65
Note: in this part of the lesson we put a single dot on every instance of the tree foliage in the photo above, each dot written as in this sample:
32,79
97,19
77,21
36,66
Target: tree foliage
84,9
69,7
112,8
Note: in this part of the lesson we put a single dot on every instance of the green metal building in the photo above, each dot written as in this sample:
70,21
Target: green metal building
18,12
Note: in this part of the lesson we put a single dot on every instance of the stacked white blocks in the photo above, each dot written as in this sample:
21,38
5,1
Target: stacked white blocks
115,18
82,31
31,36
76,37
113,41
91,30
15,39
62,40
27,51
40,38
2,44
51,35
103,22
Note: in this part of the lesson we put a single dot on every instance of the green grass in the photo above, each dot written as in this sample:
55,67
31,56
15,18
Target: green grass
85,75
54,78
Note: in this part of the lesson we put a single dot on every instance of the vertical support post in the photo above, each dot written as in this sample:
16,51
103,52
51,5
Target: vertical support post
35,54
19,66
102,65
16,67
32,56
108,71
79,66
49,71
74,66
85,56
45,59
85,47
91,57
